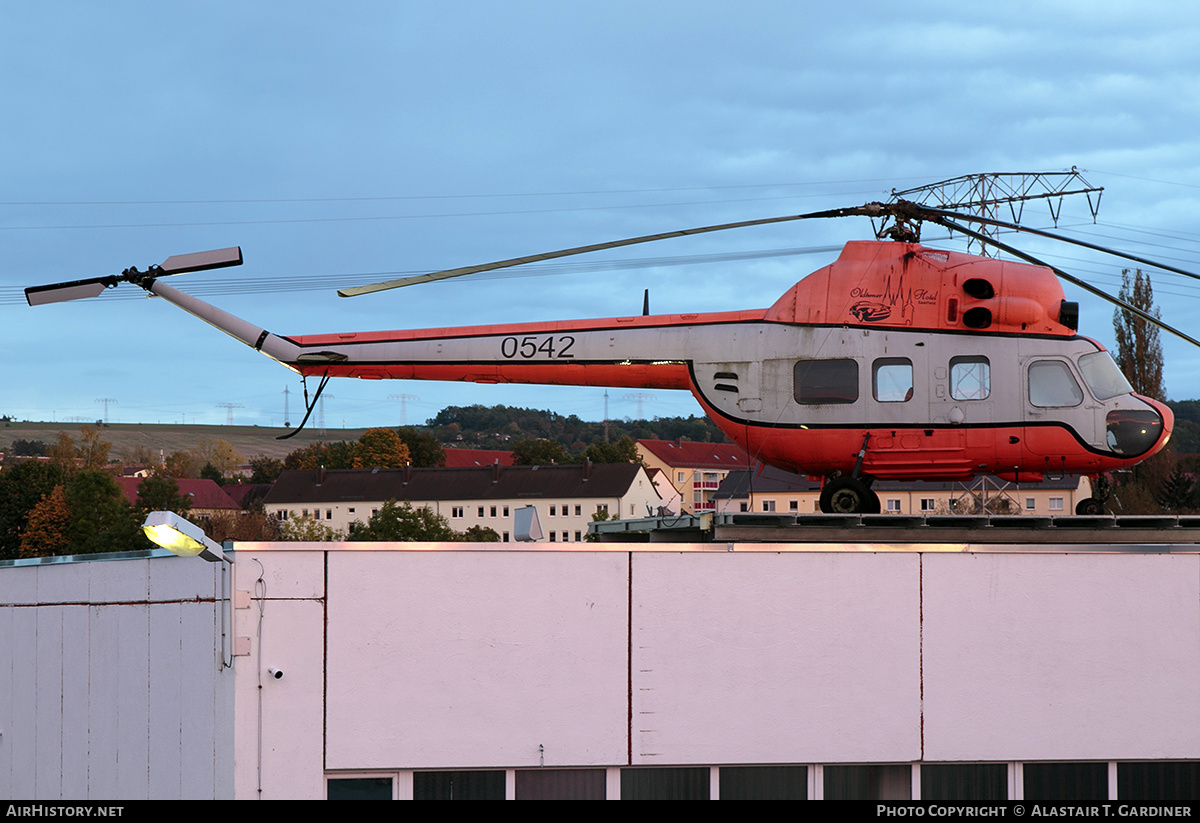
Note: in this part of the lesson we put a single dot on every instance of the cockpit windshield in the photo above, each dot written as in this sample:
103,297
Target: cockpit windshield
1102,375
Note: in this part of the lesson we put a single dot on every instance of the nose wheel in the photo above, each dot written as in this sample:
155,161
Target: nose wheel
847,495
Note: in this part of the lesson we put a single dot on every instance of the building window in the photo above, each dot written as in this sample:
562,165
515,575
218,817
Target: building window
458,785
868,782
553,509
793,505
553,536
304,512
1056,504
928,504
745,507
679,477
1059,781
329,514
560,784
893,504
1030,504
506,511
768,505
565,509
456,511
493,511
764,782
578,536
602,507
481,511
961,781
358,788
504,537
665,784
579,511
351,510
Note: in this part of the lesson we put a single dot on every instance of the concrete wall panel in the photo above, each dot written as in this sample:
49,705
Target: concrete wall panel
477,659
1072,657
763,657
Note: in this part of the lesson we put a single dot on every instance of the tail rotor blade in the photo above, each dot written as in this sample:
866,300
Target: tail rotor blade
202,261
62,292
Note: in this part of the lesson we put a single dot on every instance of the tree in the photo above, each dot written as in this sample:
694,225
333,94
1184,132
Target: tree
403,523
101,520
480,534
265,469
539,453
21,488
160,493
423,448
1139,353
380,448
45,533
308,530
623,451
93,451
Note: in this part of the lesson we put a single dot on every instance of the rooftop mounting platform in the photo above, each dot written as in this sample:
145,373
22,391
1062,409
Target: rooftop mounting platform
1099,533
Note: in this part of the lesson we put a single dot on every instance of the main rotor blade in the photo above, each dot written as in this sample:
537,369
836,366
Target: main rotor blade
202,260
74,290
1052,236
1103,295
535,258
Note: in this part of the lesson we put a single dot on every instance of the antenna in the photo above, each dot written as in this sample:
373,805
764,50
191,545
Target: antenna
983,195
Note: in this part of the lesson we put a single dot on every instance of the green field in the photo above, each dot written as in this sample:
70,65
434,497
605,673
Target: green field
125,437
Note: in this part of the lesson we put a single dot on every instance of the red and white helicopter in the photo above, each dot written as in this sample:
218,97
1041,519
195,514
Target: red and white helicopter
896,361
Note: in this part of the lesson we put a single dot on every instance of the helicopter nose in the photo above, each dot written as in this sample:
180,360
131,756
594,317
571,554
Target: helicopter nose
1137,432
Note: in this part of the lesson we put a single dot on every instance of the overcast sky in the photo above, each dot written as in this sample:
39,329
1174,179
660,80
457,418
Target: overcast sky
340,144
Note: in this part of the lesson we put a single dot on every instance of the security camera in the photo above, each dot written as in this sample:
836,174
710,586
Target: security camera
276,673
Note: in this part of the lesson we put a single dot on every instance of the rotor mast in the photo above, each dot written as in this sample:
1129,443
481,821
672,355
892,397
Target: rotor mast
985,195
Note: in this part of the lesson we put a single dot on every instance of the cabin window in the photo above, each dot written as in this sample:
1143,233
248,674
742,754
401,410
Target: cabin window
1052,384
1102,375
970,378
892,379
826,381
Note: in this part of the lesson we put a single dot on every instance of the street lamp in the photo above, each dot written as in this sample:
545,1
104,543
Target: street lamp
181,537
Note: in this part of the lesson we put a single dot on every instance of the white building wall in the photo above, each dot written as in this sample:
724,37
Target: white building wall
438,656
112,681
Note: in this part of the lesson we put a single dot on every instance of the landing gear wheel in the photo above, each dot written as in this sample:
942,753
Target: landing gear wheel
845,495
1090,506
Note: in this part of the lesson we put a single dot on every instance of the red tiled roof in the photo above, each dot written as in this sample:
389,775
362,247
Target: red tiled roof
688,454
204,494
471,458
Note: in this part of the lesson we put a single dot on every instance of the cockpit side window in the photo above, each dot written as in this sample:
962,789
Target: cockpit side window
1102,375
1051,385
970,378
892,379
826,381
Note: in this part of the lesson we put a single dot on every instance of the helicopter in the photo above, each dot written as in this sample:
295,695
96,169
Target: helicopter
896,361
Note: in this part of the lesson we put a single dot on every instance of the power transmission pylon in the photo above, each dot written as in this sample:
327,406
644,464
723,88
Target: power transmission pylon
984,194
403,398
229,407
106,401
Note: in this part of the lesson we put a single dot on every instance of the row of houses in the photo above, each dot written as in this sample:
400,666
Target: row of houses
482,489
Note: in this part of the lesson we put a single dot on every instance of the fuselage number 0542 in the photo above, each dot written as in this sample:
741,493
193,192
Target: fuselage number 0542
534,345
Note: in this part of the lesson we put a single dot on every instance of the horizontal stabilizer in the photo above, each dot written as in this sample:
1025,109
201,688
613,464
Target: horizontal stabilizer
202,260
62,292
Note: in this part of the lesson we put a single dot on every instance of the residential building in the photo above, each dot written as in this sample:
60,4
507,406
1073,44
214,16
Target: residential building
566,496
775,491
695,470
